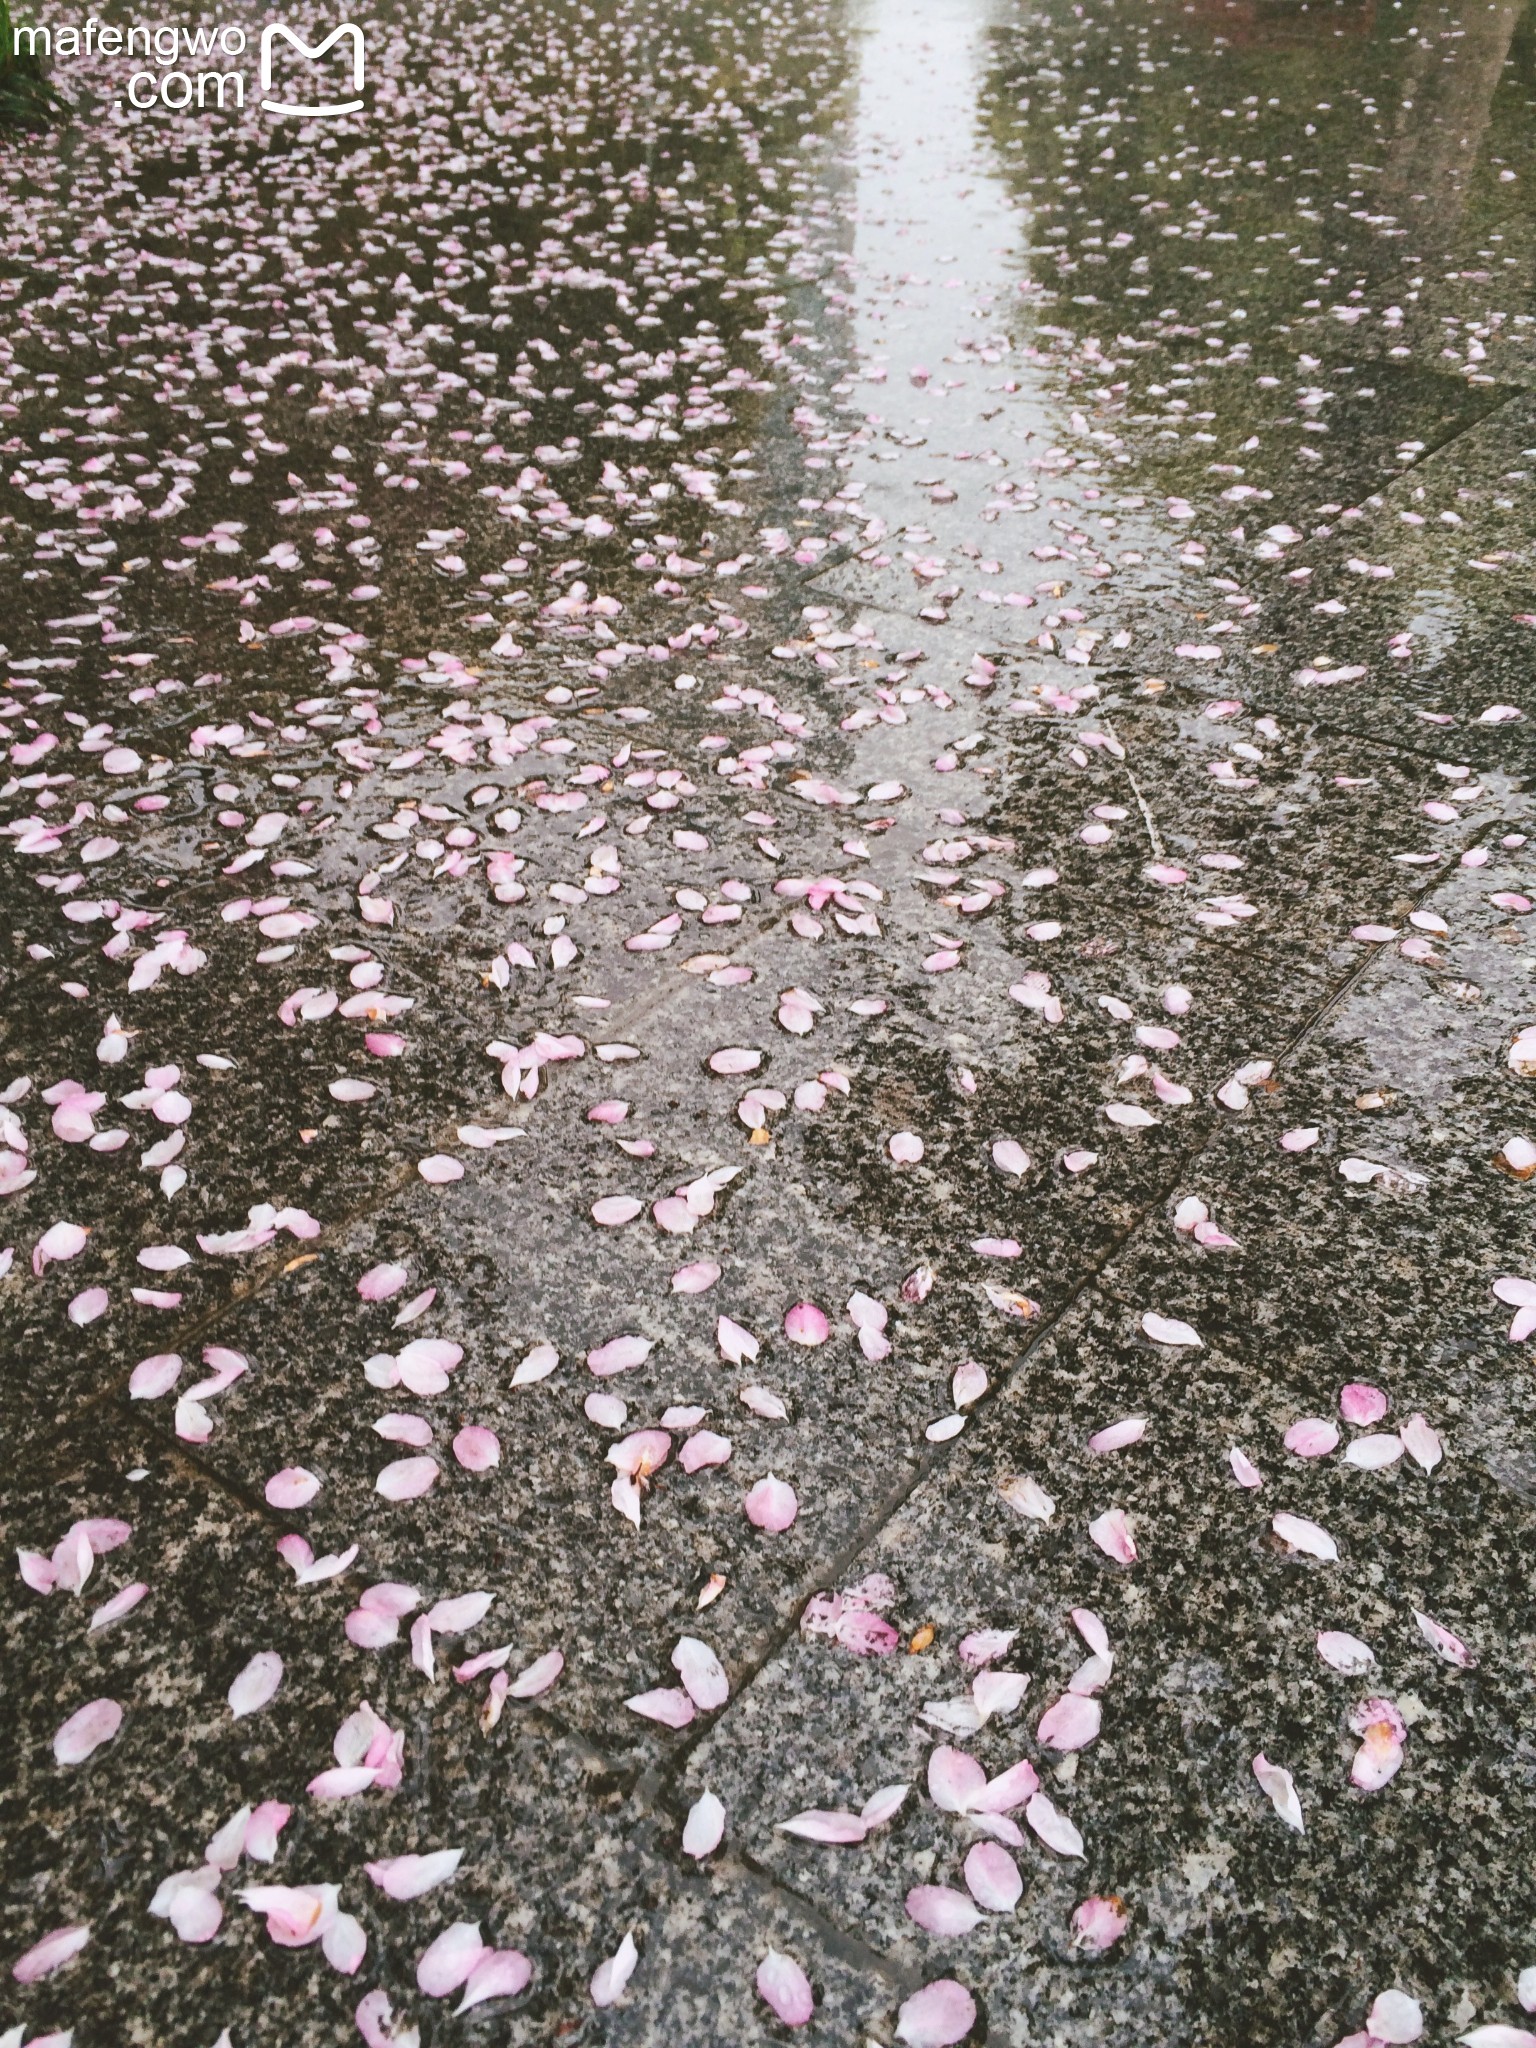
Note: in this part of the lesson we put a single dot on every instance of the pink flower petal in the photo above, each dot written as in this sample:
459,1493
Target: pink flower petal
50,1954
1362,1404
955,1781
257,1684
1111,1531
805,1324
771,1505
1072,1723
619,1354
695,1279
1446,1645
610,1977
500,1973
993,1877
477,1449
940,1909
440,1169
669,1705
613,1210
704,1829
938,2016
702,1673
539,1677
785,1989
293,1487
1099,1923
906,1148
409,1877
1313,1437
448,1962
407,1478
380,1282
86,1730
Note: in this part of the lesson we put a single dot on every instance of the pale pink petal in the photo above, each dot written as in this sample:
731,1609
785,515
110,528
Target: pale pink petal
1053,1827
447,1963
1168,1330
1313,1437
1373,1453
883,1805
500,1973
88,1306
829,1826
1099,1923
257,1684
1421,1443
1072,1723
906,1148
619,1354
805,1324
1498,2036
1395,2018
1344,1652
992,1877
1303,1535
669,1705
344,1944
610,1977
477,1449
86,1730
1244,1471
1280,1789
1119,1435
293,1487
941,1910
50,1954
120,1604
539,1677
440,1169
407,1478
196,1914
702,1673
1362,1404
408,1877
955,1781
1449,1646
785,1989
695,1279
613,1210
704,1449
938,2016
771,1505
1111,1531
704,1829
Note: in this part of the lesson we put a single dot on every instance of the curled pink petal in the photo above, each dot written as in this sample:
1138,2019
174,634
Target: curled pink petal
1446,1645
380,1282
610,1977
938,2016
1053,1826
771,1505
785,1989
539,1677
409,1877
1111,1531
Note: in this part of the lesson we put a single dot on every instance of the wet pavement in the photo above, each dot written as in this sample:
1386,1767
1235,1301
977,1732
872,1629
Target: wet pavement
765,862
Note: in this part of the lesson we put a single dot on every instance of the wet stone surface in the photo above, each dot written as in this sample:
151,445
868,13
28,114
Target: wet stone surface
759,764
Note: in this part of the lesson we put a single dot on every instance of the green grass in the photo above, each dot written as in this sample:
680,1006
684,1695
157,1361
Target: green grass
27,100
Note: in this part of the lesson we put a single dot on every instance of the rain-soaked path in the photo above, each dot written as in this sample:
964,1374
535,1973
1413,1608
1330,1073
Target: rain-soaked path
765,923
